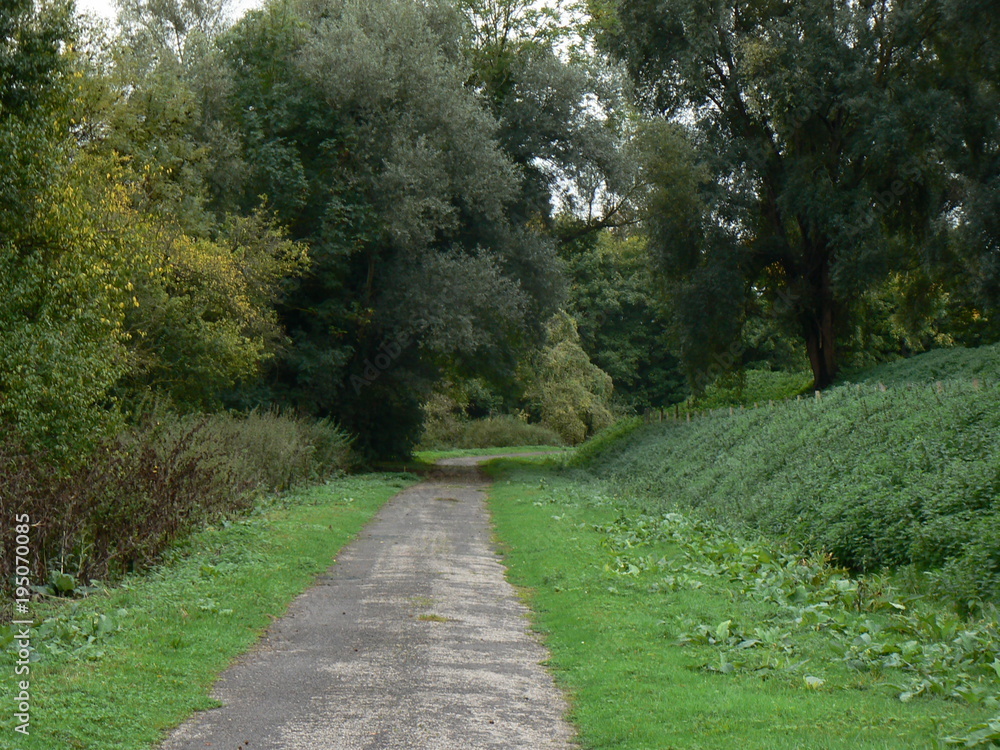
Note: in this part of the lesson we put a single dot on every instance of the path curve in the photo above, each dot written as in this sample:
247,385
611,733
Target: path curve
413,639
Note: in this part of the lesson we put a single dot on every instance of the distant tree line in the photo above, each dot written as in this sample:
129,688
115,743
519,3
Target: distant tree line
344,207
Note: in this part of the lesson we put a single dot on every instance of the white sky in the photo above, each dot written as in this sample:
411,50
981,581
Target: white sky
106,8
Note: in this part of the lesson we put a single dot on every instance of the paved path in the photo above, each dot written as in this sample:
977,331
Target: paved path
412,640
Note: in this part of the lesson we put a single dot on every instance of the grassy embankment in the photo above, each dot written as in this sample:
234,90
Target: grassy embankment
117,669
671,632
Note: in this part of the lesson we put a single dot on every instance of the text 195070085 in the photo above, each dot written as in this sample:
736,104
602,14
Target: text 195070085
21,622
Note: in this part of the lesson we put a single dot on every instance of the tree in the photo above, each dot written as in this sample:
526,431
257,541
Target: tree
801,169
63,267
356,122
966,44
562,114
571,395
203,319
622,329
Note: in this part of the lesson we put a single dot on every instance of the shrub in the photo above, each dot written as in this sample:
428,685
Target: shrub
491,432
571,394
152,484
275,451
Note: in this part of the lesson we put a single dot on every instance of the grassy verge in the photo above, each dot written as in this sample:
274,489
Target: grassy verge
119,668
671,634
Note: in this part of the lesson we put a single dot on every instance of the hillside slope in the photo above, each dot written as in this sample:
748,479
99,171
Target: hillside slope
899,467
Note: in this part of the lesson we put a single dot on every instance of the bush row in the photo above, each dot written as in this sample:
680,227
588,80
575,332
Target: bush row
134,495
489,432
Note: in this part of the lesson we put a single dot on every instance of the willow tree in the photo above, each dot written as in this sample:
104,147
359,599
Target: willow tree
805,162
356,122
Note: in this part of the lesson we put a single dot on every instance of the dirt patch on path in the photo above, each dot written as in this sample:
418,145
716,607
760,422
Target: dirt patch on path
414,639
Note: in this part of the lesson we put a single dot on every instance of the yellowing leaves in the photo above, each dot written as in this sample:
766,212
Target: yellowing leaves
203,314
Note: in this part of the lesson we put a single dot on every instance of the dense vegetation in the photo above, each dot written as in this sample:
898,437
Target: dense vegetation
900,469
460,221
668,631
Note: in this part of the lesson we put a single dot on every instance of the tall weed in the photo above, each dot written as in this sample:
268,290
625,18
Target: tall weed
139,492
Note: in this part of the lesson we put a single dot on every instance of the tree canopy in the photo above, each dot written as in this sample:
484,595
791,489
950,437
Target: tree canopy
807,157
344,207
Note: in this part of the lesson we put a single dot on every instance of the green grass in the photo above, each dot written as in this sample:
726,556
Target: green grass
755,386
432,456
160,640
956,363
613,602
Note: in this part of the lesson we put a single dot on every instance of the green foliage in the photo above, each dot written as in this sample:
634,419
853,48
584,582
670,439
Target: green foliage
499,431
64,270
610,435
31,63
621,325
560,112
919,650
877,477
790,173
751,387
356,121
572,396
203,320
955,363
75,634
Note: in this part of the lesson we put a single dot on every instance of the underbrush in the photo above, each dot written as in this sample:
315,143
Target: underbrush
753,386
879,476
490,432
121,506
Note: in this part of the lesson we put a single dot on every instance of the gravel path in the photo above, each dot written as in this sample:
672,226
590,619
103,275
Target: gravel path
414,639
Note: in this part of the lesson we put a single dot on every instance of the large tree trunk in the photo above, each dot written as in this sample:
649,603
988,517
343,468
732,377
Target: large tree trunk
819,329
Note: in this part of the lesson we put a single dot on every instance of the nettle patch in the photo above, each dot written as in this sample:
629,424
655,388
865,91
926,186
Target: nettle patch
812,609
